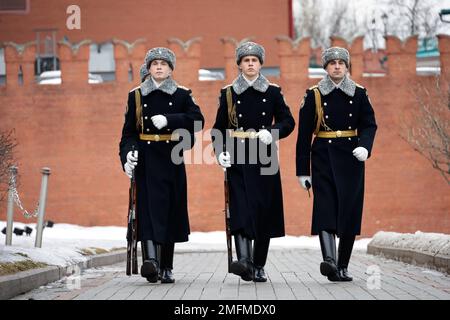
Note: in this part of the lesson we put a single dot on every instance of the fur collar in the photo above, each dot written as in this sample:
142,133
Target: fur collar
240,84
348,86
169,86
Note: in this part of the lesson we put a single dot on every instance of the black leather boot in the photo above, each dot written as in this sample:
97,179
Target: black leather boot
260,251
328,267
243,267
344,253
150,267
167,263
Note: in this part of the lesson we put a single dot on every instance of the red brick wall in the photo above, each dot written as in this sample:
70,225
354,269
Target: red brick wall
75,128
158,20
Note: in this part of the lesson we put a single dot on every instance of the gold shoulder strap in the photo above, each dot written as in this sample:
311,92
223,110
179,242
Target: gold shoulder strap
232,119
319,110
137,96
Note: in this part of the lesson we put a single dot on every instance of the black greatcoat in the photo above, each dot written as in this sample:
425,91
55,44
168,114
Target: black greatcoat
337,176
161,184
256,201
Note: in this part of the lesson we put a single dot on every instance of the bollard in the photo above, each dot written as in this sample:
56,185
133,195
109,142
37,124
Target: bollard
10,207
41,212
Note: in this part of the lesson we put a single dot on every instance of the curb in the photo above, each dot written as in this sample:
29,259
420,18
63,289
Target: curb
437,261
22,282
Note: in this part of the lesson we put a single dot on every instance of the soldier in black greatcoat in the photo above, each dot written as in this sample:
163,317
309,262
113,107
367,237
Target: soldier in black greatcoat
252,115
340,115
159,115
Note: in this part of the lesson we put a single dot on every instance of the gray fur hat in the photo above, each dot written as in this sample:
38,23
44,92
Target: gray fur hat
335,53
143,72
160,53
250,49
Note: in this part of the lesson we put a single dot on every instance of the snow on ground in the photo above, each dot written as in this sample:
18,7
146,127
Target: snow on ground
61,245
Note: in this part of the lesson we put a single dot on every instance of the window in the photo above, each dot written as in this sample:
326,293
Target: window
14,6
101,62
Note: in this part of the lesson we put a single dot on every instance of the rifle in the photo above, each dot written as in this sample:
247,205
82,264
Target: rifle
132,266
227,219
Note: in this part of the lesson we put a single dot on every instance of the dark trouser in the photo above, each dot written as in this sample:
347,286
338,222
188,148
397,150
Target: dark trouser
345,250
260,251
166,261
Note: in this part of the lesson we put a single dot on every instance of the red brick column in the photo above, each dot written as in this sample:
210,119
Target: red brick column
19,56
126,53
294,58
74,59
357,57
188,60
401,57
231,69
444,50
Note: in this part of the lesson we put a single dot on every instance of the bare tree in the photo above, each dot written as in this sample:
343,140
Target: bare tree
414,17
7,145
309,23
427,127
322,19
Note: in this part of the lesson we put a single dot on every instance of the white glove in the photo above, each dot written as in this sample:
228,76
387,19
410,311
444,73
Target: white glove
159,121
128,170
131,163
361,153
225,159
132,159
265,136
302,180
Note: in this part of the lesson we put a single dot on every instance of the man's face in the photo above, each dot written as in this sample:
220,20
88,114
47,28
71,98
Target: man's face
250,66
159,70
336,69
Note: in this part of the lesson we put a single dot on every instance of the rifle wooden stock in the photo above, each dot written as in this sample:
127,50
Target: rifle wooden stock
227,220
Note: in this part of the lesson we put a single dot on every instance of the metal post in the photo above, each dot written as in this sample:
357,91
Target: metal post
10,207
41,212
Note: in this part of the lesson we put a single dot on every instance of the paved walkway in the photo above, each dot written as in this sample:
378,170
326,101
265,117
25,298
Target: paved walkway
293,274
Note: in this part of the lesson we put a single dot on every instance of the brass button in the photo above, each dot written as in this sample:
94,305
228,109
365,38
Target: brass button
329,141
170,103
263,113
339,133
240,115
252,135
264,100
350,115
157,137
148,142
147,129
145,105
145,117
239,102
324,103
351,101
167,141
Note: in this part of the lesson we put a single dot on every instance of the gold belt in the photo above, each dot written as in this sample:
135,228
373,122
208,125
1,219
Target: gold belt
159,137
337,134
243,134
